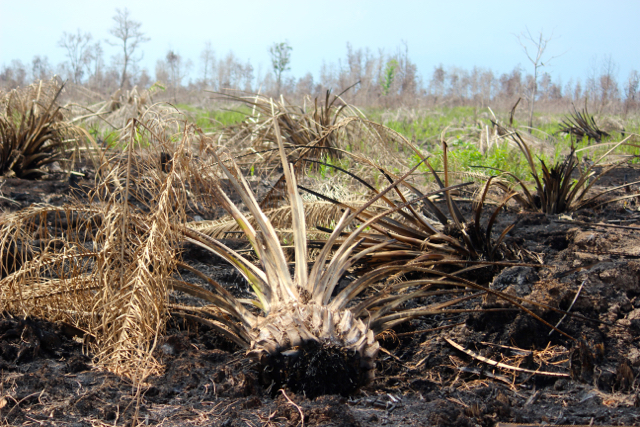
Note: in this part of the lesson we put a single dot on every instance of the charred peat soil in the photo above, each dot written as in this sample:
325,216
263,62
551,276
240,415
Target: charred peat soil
430,371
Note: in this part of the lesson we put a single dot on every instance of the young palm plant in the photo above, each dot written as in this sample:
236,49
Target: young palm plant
302,335
33,133
563,187
581,125
416,234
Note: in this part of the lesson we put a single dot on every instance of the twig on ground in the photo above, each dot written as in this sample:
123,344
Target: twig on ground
570,307
21,400
503,365
296,406
10,200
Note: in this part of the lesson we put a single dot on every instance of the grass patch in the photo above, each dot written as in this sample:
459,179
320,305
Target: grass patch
212,120
425,127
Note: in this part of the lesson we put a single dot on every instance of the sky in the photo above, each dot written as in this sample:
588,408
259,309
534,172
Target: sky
584,33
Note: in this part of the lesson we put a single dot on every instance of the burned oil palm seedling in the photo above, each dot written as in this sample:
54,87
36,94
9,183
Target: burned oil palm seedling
328,129
564,186
424,233
582,125
308,129
303,330
33,132
477,240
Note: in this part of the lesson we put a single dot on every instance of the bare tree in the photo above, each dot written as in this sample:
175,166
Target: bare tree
247,77
305,87
144,79
95,65
631,91
607,83
280,60
602,85
129,37
437,85
77,47
177,69
40,68
534,47
232,74
207,56
486,86
162,71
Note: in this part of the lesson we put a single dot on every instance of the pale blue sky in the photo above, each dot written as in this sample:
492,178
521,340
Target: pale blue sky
457,33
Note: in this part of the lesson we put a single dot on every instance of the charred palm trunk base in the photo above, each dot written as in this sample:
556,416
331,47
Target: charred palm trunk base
314,350
314,369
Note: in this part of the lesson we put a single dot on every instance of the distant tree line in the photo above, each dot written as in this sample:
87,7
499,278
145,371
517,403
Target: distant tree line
370,79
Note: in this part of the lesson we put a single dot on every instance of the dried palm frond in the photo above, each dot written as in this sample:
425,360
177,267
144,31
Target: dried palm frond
51,250
298,127
141,258
581,125
121,107
33,132
321,132
318,213
103,268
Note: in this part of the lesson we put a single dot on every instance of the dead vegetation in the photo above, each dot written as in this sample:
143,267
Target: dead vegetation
33,132
114,268
582,125
564,186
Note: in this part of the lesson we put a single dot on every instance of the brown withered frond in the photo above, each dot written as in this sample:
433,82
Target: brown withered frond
118,109
582,125
322,214
319,131
104,268
33,132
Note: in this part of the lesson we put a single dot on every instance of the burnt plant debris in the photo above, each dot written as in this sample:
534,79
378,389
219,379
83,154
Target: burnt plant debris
33,132
582,125
564,186
314,369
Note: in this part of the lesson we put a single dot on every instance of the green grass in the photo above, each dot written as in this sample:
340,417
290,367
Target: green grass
464,156
212,120
463,126
427,126
323,171
107,138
